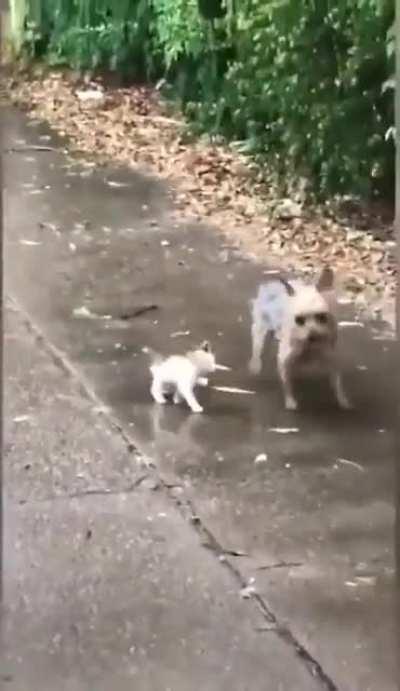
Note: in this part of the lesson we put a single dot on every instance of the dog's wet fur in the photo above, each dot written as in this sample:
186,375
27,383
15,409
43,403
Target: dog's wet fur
303,318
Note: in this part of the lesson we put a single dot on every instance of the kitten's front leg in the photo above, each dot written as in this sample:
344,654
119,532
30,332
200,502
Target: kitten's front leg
202,381
177,397
187,392
157,392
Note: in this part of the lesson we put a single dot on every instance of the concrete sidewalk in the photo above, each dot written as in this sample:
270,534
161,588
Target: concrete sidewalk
311,533
106,585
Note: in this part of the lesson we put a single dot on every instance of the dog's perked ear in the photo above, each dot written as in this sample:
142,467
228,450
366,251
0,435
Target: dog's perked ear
289,288
325,280
205,346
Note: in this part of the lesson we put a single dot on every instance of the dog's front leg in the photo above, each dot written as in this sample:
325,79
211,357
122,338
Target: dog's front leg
259,331
285,373
338,389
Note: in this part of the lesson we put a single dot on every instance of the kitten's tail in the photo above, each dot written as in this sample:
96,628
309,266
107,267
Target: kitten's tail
155,358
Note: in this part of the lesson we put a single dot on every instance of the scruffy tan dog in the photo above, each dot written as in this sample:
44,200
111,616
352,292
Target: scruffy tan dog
303,318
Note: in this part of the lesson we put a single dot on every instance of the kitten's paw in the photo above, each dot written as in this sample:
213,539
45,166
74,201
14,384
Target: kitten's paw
196,409
158,398
202,381
254,366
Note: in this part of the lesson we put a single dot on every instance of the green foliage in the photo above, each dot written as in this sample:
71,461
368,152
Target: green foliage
306,89
95,34
179,30
306,86
211,9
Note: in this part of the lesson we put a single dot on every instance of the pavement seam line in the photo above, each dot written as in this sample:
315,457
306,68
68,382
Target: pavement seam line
183,504
90,492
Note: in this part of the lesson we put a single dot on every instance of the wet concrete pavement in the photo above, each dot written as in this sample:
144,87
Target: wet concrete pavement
314,531
106,586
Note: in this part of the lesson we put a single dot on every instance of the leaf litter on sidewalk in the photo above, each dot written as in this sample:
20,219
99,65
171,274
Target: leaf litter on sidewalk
214,182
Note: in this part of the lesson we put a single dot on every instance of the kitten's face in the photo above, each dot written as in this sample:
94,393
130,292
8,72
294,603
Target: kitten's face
204,358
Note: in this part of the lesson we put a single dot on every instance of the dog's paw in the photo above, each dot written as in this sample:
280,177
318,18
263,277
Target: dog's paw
291,404
345,404
254,366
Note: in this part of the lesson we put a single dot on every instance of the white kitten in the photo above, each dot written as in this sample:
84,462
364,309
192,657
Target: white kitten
179,374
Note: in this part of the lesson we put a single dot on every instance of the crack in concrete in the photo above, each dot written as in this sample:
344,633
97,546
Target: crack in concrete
183,504
37,148
186,509
89,492
280,565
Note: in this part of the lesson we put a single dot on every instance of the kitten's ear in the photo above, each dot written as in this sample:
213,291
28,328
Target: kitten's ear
205,346
289,288
325,280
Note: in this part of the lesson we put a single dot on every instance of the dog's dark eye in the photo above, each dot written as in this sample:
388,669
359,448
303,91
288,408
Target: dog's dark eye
321,318
300,320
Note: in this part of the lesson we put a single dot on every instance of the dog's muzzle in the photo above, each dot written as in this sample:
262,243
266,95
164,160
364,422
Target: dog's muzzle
315,337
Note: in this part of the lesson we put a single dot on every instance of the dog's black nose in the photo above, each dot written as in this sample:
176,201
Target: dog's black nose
313,337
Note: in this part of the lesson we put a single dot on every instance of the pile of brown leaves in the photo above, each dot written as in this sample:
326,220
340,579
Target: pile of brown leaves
132,126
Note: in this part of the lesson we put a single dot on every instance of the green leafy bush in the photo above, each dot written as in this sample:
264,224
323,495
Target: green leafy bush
306,86
95,34
306,89
299,84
